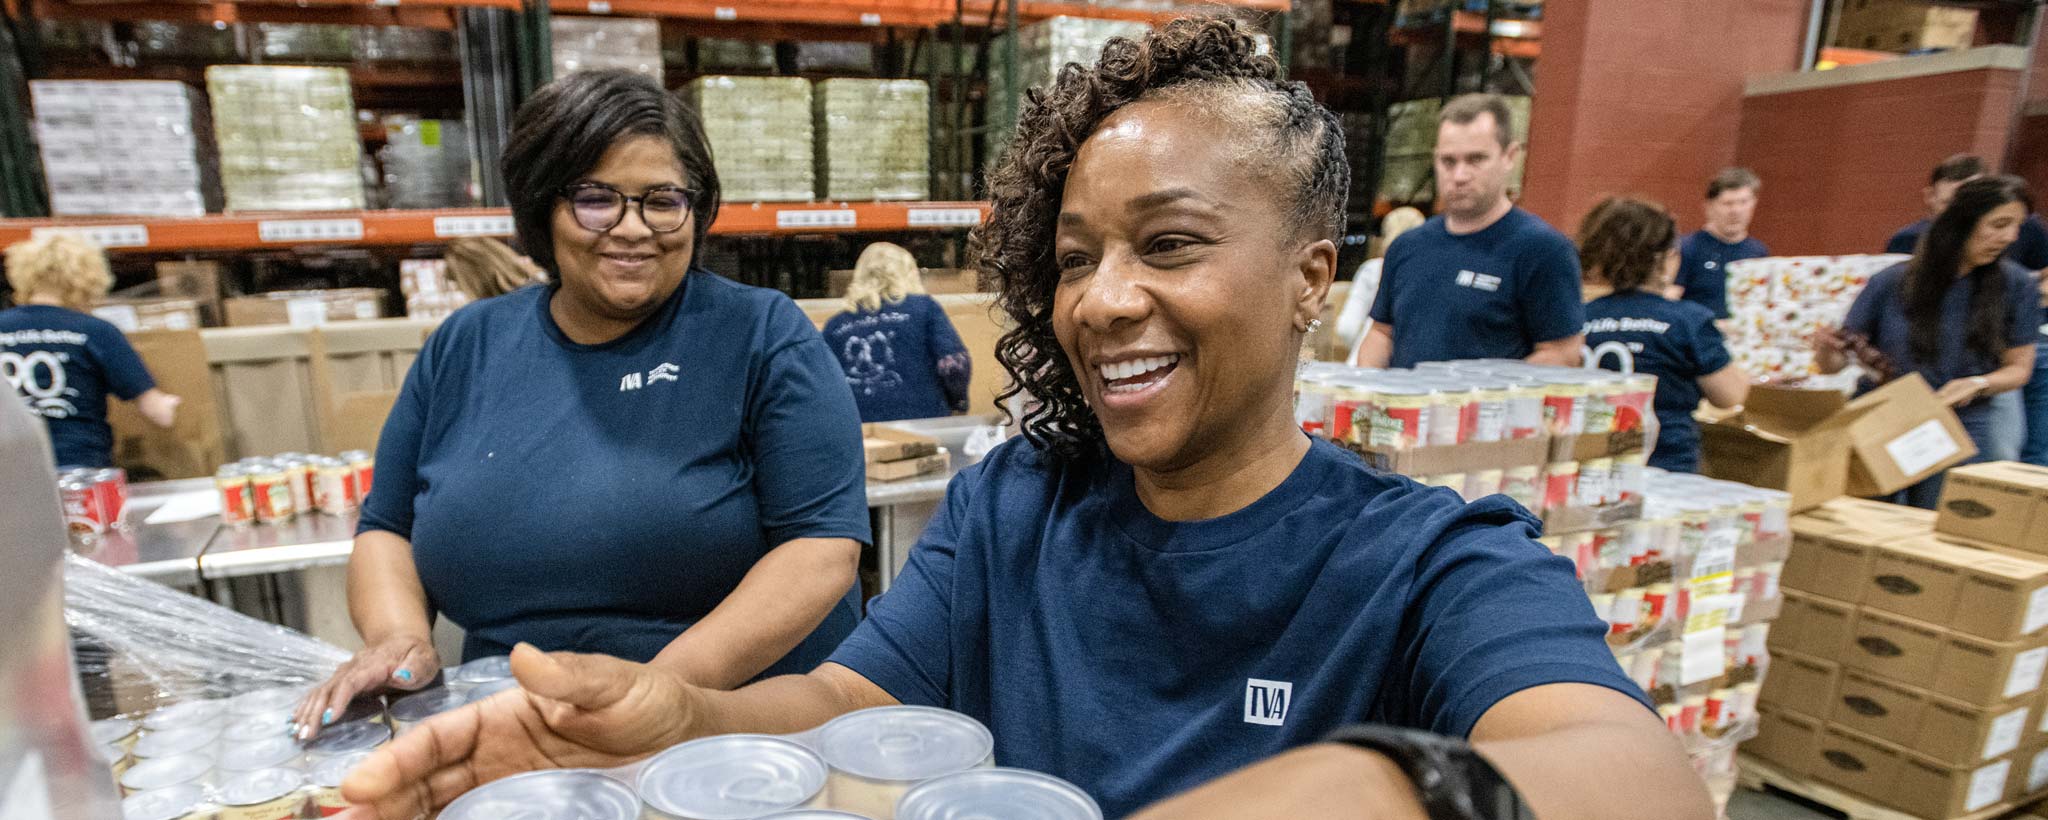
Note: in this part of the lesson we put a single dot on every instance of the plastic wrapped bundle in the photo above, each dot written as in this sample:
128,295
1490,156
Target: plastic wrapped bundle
760,133
835,56
287,136
719,54
185,41
590,43
426,163
121,147
1042,49
310,42
873,139
404,44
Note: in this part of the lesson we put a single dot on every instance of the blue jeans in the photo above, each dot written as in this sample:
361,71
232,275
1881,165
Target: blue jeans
1995,424
2036,398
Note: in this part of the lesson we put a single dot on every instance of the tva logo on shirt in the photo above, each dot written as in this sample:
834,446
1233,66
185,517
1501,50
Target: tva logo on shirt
1478,281
1265,701
664,372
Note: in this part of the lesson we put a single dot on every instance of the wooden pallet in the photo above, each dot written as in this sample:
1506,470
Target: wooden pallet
1758,776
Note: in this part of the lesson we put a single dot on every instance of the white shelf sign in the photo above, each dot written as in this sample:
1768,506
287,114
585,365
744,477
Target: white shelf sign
309,230
870,19
453,226
105,236
600,7
828,218
725,13
944,217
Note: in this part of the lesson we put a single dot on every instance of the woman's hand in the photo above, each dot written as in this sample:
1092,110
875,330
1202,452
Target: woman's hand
1958,392
1323,780
571,711
403,663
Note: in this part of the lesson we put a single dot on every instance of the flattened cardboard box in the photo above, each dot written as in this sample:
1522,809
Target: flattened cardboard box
1904,435
2003,503
1988,593
1800,683
1786,739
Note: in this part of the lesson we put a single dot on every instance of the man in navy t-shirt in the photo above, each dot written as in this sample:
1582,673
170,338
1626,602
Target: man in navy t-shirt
2030,250
1484,279
1704,255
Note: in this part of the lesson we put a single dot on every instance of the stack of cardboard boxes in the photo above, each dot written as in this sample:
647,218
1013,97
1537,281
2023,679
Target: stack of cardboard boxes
1907,663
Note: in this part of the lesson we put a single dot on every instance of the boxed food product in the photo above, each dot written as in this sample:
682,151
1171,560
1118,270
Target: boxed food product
186,41
305,308
1817,627
160,313
1943,730
720,54
2003,503
1043,48
426,163
760,133
1989,594
1926,656
1787,439
909,467
1908,436
1860,764
826,56
1800,683
583,43
121,147
288,137
873,139
316,43
412,44
1786,739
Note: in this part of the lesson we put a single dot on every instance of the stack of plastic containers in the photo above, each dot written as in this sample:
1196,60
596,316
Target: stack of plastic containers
288,138
873,139
589,43
120,147
760,134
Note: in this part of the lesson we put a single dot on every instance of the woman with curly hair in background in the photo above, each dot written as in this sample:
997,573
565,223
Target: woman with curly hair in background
1163,587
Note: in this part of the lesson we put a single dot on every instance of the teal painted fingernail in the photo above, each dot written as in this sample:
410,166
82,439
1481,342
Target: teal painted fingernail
327,717
405,674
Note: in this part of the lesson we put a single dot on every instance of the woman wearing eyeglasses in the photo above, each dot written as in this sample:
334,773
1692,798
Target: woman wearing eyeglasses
641,459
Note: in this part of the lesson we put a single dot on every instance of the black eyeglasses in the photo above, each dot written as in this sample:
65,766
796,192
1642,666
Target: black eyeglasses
600,207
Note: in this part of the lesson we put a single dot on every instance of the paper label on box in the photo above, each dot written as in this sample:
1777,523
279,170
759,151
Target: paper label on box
1714,611
1716,556
2037,611
306,312
121,316
1704,656
178,321
2005,734
1922,447
2037,773
1987,785
2026,672
366,310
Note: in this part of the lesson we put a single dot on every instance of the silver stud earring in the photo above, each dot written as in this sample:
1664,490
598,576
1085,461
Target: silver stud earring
1313,326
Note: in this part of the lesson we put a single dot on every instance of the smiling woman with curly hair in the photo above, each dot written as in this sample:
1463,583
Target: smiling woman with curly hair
1164,588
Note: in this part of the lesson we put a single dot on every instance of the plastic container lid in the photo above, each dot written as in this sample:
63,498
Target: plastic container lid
261,754
111,730
731,776
329,773
260,786
257,727
174,742
561,794
419,706
1012,794
169,803
264,701
344,738
904,743
168,771
485,670
188,713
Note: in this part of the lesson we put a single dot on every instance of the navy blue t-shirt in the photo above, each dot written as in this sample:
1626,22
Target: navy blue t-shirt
1139,657
1703,267
1492,294
603,498
63,364
903,361
1879,313
2030,249
1637,332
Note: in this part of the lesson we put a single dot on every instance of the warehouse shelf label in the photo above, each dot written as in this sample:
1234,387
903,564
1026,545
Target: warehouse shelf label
105,236
725,13
309,230
832,218
600,7
870,19
385,3
944,217
448,227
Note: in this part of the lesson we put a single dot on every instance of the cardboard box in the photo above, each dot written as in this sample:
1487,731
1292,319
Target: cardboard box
2030,778
2003,503
1988,673
1996,595
1959,734
196,279
1589,446
139,315
1800,683
909,467
881,442
1928,788
1904,25
1784,439
1879,708
305,308
1814,626
1460,458
1901,649
1785,739
1860,764
1905,436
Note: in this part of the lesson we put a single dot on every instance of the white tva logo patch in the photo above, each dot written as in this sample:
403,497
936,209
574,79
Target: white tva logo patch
664,372
1266,701
1478,281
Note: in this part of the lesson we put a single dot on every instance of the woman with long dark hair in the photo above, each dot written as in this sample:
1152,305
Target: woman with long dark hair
1958,315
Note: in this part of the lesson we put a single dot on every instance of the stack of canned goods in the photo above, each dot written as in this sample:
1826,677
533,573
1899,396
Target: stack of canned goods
893,763
276,489
95,502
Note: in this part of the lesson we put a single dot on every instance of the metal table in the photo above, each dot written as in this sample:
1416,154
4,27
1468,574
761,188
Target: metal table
305,542
165,553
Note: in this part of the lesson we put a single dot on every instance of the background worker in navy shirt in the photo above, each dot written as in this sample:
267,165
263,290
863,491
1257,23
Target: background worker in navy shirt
1627,244
1106,591
641,459
62,361
1485,279
1959,314
2030,249
902,357
1705,253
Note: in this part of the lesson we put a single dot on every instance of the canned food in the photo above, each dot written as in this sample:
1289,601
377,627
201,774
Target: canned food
1631,476
111,486
1674,718
1013,794
1525,402
175,742
1450,410
877,754
186,713
82,513
1643,667
185,802
1715,717
1656,602
334,487
251,728
1314,401
265,794
813,814
1603,392
1483,483
1351,404
165,772
408,711
1560,480
1635,402
263,701
326,778
114,731
1628,611
268,753
1581,548
237,501
559,794
364,466
484,670
1596,482
1564,406
1692,713
347,738
1525,486
1768,577
1603,607
731,776
1400,416
298,475
1489,421
272,494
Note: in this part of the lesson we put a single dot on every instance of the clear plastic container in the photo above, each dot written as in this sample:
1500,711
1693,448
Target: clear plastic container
557,794
168,803
408,711
1012,794
730,777
483,670
347,738
878,754
265,794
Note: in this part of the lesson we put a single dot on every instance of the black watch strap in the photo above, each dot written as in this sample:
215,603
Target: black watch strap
1452,781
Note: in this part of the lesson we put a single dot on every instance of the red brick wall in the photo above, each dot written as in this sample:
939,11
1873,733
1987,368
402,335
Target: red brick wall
1844,166
2033,155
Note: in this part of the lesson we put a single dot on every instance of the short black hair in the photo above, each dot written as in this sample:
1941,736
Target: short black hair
562,132
1957,168
1466,109
1733,179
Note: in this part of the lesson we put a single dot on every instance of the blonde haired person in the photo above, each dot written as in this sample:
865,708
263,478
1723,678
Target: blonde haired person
63,361
902,357
1356,318
483,267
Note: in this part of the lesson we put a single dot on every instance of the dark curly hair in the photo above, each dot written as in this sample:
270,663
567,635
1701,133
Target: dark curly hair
1211,60
1623,242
